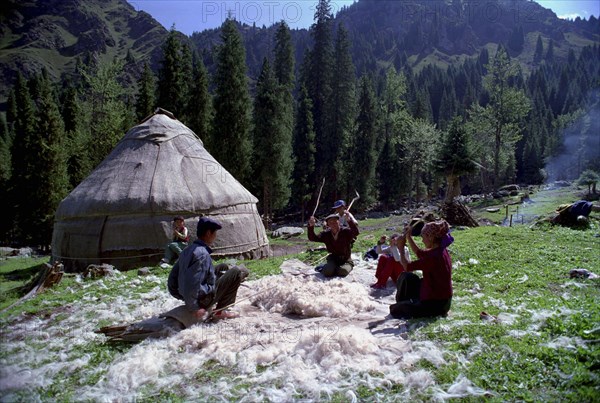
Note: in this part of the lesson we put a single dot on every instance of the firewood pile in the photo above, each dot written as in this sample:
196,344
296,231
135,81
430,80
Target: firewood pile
457,213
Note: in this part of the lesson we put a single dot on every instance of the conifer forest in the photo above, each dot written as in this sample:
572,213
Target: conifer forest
282,109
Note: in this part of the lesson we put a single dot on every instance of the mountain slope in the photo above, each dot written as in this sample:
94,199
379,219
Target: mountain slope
440,32
54,33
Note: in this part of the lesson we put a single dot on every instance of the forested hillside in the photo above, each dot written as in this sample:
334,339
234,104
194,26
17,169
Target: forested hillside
398,101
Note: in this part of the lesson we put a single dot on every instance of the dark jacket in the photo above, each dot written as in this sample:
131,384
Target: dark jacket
340,248
193,275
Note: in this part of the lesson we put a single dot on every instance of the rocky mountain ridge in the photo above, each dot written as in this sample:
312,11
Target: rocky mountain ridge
56,33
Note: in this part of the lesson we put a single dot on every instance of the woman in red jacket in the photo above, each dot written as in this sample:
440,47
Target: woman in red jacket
431,295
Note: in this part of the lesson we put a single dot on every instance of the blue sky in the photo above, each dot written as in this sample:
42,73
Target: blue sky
198,15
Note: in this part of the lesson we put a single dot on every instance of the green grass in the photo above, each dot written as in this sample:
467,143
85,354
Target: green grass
522,276
14,273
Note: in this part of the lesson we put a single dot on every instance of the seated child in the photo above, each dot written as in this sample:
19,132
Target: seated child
180,241
389,261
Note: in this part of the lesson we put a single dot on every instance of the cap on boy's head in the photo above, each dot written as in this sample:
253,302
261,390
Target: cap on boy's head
339,203
205,223
178,218
332,217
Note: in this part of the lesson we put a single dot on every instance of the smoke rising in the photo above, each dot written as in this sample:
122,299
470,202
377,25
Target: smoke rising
581,147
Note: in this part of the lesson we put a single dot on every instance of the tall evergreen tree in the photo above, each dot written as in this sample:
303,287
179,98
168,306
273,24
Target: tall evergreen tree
272,144
533,162
145,100
539,50
550,52
231,144
5,144
39,179
304,152
5,173
341,112
200,105
76,139
448,108
284,62
454,157
364,160
25,151
319,89
103,109
50,177
173,75
285,79
516,41
395,121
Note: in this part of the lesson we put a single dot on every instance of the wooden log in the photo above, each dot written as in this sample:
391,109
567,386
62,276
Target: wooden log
46,278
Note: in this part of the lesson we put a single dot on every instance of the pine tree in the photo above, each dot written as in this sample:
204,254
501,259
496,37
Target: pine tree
319,89
76,139
448,107
173,75
549,58
272,144
533,162
50,177
454,157
39,180
103,110
395,121
25,151
283,65
285,79
5,144
231,144
516,41
145,100
363,148
341,112
200,105
5,173
539,50
304,151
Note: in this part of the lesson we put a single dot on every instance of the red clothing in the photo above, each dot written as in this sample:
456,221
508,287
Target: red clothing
340,247
436,265
387,267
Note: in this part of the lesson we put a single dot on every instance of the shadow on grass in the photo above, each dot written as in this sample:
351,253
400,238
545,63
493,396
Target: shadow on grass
401,327
22,274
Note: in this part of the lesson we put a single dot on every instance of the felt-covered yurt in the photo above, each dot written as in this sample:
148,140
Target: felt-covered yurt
122,213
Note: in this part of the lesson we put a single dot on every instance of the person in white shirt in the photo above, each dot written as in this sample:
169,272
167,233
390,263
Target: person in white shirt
389,264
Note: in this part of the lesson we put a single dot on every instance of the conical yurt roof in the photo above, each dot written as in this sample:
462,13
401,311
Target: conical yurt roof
123,211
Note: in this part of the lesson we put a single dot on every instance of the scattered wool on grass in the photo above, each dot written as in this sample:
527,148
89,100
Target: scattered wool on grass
496,303
506,318
567,343
312,357
539,317
461,388
517,333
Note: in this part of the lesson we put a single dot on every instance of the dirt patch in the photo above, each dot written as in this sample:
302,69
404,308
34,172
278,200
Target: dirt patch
282,250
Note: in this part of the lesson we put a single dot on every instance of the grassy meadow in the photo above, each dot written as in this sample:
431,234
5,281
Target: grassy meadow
538,342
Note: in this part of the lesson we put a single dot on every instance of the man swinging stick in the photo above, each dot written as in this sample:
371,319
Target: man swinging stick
338,239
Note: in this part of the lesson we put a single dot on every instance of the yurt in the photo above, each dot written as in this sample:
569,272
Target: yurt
122,213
